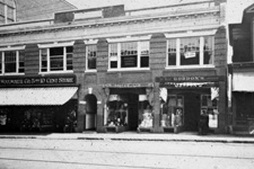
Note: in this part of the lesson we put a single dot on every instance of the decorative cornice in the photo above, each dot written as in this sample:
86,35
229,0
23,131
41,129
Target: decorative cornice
105,22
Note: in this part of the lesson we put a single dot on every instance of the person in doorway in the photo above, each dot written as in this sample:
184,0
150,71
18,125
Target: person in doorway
178,118
203,122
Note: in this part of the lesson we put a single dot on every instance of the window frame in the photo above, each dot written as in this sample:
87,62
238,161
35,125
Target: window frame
17,51
119,56
48,67
96,54
201,51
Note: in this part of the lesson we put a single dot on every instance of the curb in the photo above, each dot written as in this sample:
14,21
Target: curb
132,139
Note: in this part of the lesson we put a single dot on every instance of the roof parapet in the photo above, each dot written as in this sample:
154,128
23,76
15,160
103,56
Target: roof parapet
92,13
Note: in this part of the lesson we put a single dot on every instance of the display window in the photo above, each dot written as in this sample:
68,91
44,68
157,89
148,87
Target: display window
145,118
172,111
209,107
116,111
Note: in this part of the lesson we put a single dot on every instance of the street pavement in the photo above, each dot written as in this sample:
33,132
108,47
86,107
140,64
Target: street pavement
76,151
133,136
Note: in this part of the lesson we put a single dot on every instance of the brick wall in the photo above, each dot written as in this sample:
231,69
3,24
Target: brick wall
31,59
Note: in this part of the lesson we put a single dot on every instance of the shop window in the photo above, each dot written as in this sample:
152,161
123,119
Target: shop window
145,117
12,62
209,107
91,54
172,111
244,105
116,112
192,51
129,55
56,59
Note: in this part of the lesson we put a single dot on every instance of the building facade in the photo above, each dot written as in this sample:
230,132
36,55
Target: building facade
241,73
153,69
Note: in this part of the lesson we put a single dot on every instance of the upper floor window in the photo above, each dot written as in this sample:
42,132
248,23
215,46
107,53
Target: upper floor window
12,62
55,59
129,55
191,51
91,54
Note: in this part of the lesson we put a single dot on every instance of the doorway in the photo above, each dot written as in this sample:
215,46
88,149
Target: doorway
91,112
133,111
192,111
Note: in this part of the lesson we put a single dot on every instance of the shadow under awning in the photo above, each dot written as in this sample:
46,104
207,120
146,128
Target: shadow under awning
36,96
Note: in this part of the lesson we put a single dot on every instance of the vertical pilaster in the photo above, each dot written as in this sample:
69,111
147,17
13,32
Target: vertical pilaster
102,66
31,59
158,48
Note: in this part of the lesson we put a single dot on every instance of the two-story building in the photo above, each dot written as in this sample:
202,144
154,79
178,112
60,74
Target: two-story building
152,69
242,73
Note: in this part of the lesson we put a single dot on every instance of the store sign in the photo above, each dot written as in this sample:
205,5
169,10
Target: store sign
189,55
127,85
26,81
187,79
129,61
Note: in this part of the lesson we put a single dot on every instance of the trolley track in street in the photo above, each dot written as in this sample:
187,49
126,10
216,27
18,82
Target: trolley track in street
129,153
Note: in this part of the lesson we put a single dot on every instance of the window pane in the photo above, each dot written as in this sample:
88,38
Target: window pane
144,54
1,54
113,55
204,101
189,50
56,58
69,57
69,62
21,61
129,54
10,13
208,50
10,62
43,60
172,52
56,51
91,56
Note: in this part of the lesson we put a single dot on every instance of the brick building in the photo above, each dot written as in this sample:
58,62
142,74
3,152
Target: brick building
151,69
241,72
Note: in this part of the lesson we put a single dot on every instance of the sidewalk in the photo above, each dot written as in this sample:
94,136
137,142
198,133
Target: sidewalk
132,136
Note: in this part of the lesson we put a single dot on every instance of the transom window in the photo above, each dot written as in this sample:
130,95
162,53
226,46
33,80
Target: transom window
12,62
56,59
191,51
129,55
91,55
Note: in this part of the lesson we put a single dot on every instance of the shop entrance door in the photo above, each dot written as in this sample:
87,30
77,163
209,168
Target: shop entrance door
91,112
192,111
133,111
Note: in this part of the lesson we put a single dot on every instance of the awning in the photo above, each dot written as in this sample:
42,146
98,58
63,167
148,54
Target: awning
36,96
188,84
243,82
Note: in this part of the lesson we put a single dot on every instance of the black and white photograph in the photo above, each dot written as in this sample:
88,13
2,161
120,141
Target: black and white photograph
126,84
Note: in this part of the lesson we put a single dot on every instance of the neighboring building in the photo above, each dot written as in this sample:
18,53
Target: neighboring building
28,10
153,69
7,11
242,72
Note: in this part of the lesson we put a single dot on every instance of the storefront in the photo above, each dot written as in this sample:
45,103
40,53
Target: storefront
38,103
243,99
128,107
185,99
